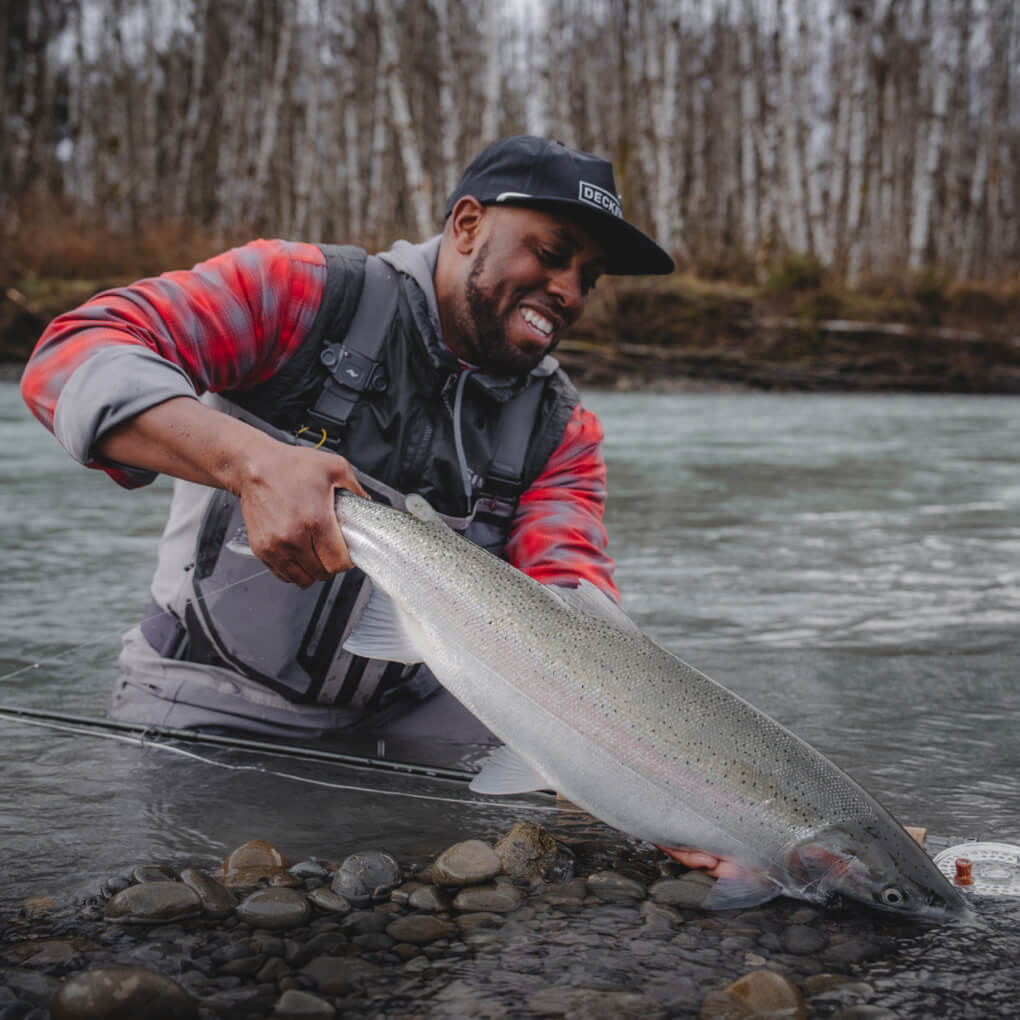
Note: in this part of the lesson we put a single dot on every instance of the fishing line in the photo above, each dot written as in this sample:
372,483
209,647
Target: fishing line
143,742
106,637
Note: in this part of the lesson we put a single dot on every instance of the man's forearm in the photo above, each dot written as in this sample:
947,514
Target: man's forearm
186,439
286,491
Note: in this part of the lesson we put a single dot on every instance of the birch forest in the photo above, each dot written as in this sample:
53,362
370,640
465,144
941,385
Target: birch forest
879,136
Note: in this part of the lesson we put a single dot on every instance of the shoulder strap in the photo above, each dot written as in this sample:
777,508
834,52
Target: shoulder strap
353,360
506,470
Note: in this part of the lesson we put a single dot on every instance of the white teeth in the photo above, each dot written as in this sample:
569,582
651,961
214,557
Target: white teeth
540,322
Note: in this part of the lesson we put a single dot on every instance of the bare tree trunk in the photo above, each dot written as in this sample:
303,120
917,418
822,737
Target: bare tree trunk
749,118
794,213
816,224
930,153
885,247
270,121
380,134
229,185
537,50
80,180
771,218
190,127
857,178
308,157
448,119
352,168
410,154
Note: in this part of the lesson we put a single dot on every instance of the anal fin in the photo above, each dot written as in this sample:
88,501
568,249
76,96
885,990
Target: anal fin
505,771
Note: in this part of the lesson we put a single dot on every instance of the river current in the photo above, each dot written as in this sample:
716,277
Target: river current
849,564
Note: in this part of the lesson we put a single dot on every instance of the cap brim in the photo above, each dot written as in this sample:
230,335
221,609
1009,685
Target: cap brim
629,251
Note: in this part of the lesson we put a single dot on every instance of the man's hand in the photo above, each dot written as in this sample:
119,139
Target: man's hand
287,500
286,491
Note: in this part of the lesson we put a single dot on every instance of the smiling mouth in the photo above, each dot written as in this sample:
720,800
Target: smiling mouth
540,326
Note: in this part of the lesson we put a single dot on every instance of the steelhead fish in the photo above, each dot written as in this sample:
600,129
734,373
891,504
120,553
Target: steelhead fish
590,707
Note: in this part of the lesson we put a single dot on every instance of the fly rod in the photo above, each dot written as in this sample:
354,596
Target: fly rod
155,734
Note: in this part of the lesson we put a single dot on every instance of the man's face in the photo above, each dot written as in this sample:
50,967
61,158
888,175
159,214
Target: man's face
530,276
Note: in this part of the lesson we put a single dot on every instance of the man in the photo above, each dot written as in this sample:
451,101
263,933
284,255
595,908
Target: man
426,370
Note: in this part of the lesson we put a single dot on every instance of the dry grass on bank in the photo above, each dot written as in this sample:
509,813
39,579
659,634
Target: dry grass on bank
52,261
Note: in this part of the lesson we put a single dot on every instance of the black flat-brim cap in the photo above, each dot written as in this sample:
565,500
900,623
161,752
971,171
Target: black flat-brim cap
543,174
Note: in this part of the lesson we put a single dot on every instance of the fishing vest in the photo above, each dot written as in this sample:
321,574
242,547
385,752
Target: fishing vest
372,381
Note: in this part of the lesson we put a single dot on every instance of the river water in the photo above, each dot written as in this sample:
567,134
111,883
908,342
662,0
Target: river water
849,564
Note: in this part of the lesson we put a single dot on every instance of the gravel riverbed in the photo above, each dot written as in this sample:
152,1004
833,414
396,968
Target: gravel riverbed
527,926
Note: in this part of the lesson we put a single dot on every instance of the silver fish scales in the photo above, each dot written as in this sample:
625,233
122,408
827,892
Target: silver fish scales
591,707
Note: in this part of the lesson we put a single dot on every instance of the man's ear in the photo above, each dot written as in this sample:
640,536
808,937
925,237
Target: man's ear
466,224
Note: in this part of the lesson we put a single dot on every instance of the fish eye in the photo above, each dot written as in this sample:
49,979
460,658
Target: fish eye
893,896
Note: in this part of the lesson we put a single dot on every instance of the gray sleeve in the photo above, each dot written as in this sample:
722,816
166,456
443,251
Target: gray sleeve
112,386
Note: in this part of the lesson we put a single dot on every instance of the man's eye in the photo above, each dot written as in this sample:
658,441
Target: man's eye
550,257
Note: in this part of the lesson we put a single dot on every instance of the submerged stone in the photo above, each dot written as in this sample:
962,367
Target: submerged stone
121,993
153,903
334,975
688,891
603,1003
45,952
471,862
275,909
801,940
761,991
419,929
298,1005
498,898
481,920
612,887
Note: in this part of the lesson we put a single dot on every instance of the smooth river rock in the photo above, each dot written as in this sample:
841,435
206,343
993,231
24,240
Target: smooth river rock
121,993
154,903
367,876
611,887
497,898
217,900
761,991
275,909
298,1005
688,891
250,863
471,862
428,897
331,902
527,850
419,929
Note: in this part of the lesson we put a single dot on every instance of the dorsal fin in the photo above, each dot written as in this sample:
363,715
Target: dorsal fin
587,598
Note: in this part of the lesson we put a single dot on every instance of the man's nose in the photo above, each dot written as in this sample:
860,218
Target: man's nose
566,287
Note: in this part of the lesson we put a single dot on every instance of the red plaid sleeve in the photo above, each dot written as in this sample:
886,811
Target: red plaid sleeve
557,535
229,323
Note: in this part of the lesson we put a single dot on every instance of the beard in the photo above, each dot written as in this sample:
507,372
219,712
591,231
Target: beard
483,321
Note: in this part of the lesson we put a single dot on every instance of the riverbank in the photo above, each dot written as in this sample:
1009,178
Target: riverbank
792,333
528,926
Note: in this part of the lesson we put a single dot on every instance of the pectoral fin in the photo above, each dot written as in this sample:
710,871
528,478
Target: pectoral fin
382,632
418,506
738,891
505,771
